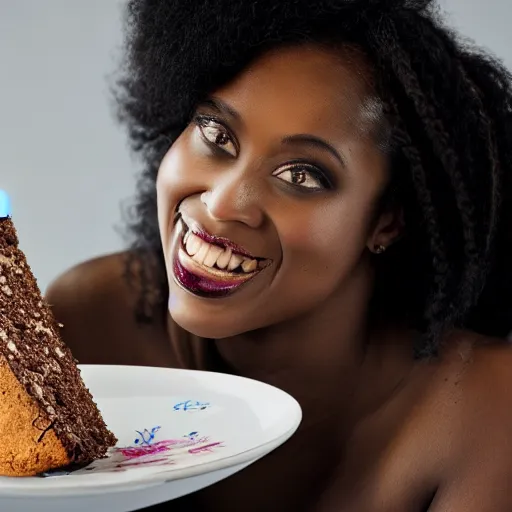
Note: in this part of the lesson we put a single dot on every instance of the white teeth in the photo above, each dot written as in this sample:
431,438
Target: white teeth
201,254
249,265
235,261
212,255
223,259
193,244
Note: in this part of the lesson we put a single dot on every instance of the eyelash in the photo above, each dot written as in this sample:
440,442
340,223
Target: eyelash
324,177
314,170
201,121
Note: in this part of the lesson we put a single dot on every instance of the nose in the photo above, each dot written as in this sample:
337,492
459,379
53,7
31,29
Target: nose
230,199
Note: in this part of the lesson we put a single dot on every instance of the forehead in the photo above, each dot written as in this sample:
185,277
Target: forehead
312,89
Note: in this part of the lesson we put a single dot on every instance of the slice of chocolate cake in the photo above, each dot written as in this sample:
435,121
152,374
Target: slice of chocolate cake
48,419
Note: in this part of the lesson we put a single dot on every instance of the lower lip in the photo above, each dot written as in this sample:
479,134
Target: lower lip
208,287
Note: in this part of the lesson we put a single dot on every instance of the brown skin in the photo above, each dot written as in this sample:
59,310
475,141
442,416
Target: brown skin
381,432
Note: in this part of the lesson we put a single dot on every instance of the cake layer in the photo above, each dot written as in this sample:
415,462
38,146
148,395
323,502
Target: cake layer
31,445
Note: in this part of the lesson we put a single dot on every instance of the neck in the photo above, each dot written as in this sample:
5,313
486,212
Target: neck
322,342
328,359
331,336
316,357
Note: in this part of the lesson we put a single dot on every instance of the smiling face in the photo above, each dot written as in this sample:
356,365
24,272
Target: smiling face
267,200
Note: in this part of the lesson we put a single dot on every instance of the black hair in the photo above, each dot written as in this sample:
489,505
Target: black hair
448,106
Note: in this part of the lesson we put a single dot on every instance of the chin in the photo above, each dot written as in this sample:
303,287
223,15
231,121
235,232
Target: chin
201,319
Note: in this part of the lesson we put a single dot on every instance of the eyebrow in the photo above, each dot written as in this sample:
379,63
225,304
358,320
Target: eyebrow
316,142
221,107
301,138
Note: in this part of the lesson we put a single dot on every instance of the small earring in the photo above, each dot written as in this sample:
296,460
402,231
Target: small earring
379,249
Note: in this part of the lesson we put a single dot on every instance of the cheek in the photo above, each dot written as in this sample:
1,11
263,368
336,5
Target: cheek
323,236
177,178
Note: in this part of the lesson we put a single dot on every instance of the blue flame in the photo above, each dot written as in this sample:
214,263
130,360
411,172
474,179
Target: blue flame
5,205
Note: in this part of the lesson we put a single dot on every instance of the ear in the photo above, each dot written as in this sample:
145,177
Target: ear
388,228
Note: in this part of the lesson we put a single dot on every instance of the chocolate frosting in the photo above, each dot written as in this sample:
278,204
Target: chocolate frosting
42,363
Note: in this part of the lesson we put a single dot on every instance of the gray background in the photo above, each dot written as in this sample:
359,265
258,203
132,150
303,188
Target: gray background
63,159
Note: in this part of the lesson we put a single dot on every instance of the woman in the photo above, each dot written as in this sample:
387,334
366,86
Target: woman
325,207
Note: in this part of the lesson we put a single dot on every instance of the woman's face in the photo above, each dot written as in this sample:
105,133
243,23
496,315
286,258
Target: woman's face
267,200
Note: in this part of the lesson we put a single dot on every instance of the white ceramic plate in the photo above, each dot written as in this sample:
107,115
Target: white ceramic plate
179,431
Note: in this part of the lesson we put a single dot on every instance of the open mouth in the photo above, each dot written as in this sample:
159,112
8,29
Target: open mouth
211,266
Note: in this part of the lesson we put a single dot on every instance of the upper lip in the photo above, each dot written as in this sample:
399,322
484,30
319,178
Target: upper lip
199,231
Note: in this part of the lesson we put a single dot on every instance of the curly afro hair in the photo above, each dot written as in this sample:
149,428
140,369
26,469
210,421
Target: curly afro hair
448,105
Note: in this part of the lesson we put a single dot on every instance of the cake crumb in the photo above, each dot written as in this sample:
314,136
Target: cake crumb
12,347
39,327
37,390
55,366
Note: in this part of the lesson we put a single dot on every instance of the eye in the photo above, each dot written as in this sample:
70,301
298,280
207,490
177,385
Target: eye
305,176
216,134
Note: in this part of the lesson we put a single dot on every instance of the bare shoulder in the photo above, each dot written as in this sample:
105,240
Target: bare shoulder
96,305
91,285
470,418
481,366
